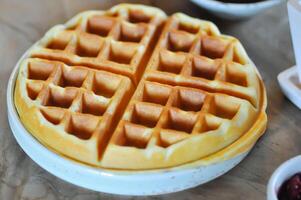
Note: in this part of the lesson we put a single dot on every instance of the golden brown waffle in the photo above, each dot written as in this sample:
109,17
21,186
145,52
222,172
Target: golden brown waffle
193,53
199,94
119,40
197,97
167,125
71,109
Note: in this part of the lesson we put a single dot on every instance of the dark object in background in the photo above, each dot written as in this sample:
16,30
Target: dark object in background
240,1
291,188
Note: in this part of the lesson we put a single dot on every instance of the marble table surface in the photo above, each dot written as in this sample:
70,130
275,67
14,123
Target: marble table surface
266,38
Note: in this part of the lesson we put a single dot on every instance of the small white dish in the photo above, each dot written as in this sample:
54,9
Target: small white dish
290,86
235,10
290,79
281,174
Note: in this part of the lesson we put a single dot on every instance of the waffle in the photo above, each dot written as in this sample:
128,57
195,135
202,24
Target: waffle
72,109
129,88
119,40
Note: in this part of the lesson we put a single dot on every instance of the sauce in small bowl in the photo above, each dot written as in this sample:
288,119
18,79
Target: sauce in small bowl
285,182
291,188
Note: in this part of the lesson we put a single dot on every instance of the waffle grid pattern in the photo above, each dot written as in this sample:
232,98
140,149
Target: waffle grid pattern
200,57
168,114
131,104
77,98
197,89
117,41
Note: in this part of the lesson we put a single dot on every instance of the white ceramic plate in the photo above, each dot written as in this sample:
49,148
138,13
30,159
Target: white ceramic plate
235,10
148,182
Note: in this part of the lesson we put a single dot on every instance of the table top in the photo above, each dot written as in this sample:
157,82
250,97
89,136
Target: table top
266,38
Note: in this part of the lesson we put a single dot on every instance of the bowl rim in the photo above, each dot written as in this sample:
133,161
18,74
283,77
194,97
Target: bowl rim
238,5
273,188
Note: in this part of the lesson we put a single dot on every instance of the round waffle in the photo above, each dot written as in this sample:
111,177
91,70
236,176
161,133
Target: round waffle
129,88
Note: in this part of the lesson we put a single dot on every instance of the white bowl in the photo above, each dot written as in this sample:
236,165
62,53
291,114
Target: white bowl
281,174
235,10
